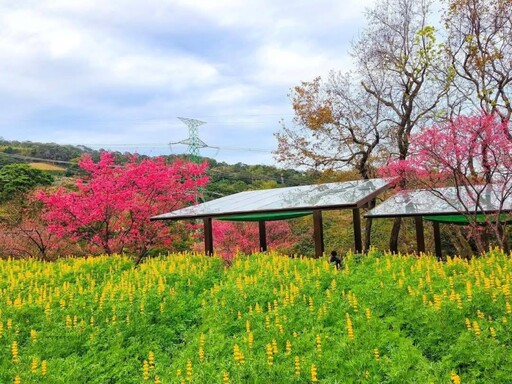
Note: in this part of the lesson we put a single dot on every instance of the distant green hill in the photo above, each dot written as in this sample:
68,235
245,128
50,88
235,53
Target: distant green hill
225,178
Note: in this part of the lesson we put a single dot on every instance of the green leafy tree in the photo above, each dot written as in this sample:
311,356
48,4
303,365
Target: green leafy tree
19,178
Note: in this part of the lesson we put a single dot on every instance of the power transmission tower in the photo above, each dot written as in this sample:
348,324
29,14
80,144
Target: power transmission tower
193,141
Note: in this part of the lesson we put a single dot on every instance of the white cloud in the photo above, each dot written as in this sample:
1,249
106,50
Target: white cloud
125,69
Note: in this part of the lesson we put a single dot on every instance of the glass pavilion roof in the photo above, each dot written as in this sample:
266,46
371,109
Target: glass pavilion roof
350,194
445,201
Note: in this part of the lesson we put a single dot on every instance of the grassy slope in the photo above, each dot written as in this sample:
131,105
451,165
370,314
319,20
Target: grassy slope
411,312
47,167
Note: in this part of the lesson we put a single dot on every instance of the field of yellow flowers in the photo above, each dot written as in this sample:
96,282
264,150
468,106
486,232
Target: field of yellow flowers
264,319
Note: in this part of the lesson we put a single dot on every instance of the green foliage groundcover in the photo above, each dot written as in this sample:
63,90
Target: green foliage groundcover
264,319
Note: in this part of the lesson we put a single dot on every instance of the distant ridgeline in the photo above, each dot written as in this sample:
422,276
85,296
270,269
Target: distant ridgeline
225,179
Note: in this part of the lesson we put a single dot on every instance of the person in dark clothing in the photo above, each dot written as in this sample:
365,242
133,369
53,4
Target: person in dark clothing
335,259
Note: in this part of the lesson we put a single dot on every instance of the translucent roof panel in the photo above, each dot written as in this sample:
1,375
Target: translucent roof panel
350,194
444,201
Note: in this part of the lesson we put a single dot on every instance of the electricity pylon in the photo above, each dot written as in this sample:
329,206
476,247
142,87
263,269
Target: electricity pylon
193,141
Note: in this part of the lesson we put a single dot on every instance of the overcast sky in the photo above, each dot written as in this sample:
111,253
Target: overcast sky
106,72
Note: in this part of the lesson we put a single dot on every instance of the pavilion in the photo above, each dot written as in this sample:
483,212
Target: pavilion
449,205
285,203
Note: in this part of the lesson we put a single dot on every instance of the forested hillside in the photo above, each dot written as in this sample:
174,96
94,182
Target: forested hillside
225,179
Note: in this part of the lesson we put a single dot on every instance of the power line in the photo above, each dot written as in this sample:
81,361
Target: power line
185,142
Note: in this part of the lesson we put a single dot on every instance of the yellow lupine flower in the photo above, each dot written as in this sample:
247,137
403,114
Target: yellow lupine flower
251,340
455,378
288,347
469,290
201,347
314,374
297,366
189,370
34,365
476,328
318,341
468,324
350,328
270,355
238,356
145,370
14,352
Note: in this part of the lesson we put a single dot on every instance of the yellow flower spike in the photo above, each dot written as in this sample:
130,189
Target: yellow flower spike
350,328
376,354
251,340
225,378
17,380
189,370
288,347
368,313
157,380
145,370
459,301
437,302
238,356
34,365
201,347
314,374
493,332
297,366
151,360
318,342
311,305
469,290
454,378
44,368
14,352
248,326
274,346
476,328
33,335
270,355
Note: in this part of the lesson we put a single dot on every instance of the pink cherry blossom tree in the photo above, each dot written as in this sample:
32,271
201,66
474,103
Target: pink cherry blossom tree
108,210
473,154
24,232
232,237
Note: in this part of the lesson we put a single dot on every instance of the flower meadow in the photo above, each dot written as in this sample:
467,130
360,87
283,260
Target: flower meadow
265,318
